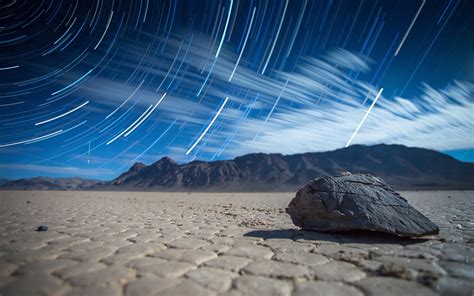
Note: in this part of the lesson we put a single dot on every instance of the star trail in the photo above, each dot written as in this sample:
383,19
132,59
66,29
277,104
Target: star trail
89,87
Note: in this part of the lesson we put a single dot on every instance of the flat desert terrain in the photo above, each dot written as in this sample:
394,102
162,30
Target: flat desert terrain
135,243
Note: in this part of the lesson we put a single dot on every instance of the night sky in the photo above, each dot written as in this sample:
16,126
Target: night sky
90,87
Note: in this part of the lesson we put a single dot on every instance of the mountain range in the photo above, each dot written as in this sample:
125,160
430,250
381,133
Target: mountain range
4,180
48,183
402,167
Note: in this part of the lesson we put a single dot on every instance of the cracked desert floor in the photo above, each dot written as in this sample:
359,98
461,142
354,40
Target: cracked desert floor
134,243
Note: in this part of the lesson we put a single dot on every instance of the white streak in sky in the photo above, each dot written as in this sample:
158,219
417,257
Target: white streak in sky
146,116
243,46
8,68
208,127
225,29
365,117
131,95
129,127
146,10
276,102
106,28
298,24
72,84
34,139
65,33
409,28
11,104
57,134
276,38
64,114
273,108
89,152
140,119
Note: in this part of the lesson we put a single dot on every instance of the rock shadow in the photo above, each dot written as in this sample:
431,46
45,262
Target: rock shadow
355,236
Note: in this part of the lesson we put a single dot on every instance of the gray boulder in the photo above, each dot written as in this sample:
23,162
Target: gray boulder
356,202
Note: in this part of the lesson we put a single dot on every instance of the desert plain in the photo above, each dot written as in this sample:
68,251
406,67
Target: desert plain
150,243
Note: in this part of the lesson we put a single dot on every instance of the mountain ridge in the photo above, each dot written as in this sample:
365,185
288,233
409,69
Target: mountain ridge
50,183
402,167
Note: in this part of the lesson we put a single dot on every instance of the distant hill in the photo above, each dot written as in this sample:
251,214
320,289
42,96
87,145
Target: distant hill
400,166
3,181
46,183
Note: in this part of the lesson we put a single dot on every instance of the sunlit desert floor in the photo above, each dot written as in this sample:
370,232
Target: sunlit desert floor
133,243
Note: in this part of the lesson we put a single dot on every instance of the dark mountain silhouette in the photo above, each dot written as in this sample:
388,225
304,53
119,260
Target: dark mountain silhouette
4,180
47,183
402,167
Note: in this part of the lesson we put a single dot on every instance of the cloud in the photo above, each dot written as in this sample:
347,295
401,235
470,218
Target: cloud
431,121
348,60
322,104
315,107
34,170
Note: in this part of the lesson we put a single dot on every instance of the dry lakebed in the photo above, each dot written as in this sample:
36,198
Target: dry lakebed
149,243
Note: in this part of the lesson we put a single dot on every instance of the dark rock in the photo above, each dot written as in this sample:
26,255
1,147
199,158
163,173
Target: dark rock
42,228
356,202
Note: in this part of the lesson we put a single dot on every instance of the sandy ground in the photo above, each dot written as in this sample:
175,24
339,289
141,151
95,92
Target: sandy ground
130,243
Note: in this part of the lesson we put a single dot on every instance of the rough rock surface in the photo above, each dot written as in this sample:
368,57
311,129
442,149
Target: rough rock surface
356,202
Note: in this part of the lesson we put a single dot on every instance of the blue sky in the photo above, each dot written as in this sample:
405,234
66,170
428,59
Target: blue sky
90,88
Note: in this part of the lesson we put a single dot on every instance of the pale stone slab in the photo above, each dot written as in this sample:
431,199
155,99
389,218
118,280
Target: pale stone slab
212,278
85,246
149,286
270,268
187,287
339,252
187,243
258,286
338,271
101,277
81,267
95,254
68,241
219,249
37,284
462,270
413,263
320,288
393,287
121,258
310,259
6,269
195,257
223,241
140,248
110,290
454,286
48,266
252,252
160,267
285,245
231,263
44,253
